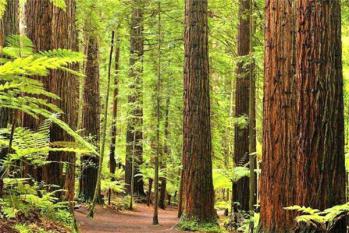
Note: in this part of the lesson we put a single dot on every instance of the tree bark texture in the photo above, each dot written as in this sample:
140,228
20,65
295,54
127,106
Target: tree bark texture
198,194
241,134
51,28
9,25
91,119
135,100
303,154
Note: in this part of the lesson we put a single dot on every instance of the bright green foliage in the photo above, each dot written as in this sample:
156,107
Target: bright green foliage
21,92
223,178
323,220
3,4
113,182
192,225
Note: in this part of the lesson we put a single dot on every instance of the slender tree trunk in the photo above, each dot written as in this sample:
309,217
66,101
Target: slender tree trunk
112,160
135,122
158,116
150,187
303,112
198,194
91,118
166,153
252,125
241,136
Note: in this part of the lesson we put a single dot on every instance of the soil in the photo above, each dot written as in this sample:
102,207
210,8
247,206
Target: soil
137,221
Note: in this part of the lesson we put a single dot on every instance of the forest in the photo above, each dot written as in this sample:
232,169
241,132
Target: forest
174,116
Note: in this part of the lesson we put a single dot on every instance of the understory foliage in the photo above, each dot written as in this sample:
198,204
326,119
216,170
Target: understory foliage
323,220
22,197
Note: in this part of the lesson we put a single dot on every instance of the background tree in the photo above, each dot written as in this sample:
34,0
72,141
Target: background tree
91,118
241,135
135,100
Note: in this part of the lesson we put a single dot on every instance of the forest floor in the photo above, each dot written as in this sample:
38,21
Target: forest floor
137,221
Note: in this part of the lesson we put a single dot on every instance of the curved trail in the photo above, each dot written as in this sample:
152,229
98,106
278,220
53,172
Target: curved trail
136,221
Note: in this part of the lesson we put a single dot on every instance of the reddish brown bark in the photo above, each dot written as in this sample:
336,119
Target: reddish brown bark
241,136
51,28
303,155
90,119
198,194
135,100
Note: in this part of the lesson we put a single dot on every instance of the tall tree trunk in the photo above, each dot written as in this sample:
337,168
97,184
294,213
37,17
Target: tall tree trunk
135,100
252,141
166,153
303,111
241,136
65,85
91,118
51,28
112,160
198,194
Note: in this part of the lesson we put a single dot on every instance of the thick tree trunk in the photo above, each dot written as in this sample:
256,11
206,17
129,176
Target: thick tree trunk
198,194
241,136
91,119
51,28
135,122
303,111
65,85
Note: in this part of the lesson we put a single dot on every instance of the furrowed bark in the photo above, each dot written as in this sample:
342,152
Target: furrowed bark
303,156
91,118
198,194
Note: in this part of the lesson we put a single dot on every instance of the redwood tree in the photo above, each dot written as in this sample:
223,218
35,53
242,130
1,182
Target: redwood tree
241,135
198,194
90,118
303,155
134,135
50,28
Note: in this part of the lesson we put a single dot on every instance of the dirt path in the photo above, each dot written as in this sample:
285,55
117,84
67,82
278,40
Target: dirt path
137,221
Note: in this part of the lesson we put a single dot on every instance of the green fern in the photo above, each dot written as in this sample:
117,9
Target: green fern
324,220
20,92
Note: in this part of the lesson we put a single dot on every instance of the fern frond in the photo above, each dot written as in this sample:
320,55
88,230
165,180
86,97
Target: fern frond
18,46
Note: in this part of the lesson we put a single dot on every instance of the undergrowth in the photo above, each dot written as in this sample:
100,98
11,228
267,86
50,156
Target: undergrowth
194,225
